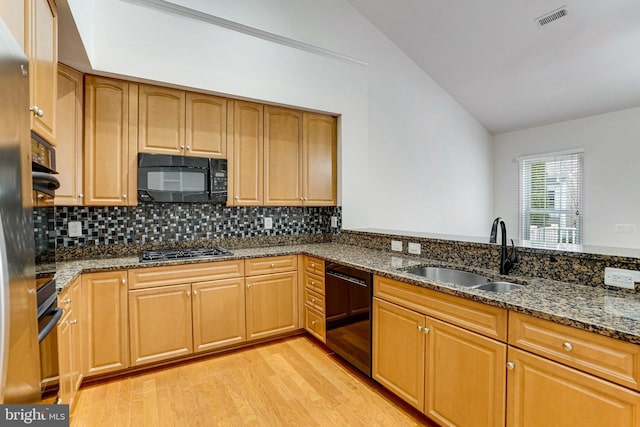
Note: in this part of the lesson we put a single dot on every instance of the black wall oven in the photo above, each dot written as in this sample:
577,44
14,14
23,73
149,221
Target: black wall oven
164,178
348,293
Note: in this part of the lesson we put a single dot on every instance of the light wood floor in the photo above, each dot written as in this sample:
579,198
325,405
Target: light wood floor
289,382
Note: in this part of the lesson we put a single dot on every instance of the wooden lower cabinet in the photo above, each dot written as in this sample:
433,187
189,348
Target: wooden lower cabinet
545,393
456,377
70,344
104,322
218,314
160,323
271,304
398,346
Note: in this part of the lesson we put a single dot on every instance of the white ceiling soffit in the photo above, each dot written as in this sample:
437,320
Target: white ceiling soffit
510,72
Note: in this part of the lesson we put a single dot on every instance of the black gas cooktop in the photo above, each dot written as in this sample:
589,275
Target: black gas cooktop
189,253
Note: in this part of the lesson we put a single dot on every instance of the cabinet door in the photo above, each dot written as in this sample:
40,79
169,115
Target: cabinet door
76,335
160,323
206,121
104,322
42,50
218,313
282,157
398,351
246,155
319,179
69,133
463,366
110,142
272,304
65,341
161,120
545,393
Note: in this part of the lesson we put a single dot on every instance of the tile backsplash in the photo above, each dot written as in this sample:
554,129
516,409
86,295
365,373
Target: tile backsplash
163,222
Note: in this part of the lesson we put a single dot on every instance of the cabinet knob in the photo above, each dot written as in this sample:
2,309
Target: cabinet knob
182,147
248,286
567,346
313,283
123,281
511,366
195,293
67,300
426,330
313,323
273,265
37,111
39,197
74,321
419,327
80,196
124,196
188,293
313,265
313,300
188,147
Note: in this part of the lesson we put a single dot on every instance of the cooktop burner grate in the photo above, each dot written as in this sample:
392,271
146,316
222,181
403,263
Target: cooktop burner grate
190,253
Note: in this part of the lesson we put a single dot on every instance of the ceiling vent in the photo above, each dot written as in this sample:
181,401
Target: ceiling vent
554,15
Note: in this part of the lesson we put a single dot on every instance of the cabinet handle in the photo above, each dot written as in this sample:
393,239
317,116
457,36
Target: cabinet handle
37,111
511,366
67,300
123,281
124,196
567,346
195,293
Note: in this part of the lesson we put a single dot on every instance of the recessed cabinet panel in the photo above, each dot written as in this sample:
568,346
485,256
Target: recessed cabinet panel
319,149
161,120
282,157
247,162
206,125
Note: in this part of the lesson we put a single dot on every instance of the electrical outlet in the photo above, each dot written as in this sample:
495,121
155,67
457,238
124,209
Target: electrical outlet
334,222
621,278
268,223
396,245
414,248
625,228
75,229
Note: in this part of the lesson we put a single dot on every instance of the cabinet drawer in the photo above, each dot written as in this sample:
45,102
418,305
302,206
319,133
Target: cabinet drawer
314,265
313,282
605,357
141,278
314,323
475,316
314,300
276,264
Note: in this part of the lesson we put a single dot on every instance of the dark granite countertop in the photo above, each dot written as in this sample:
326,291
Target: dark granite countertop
607,312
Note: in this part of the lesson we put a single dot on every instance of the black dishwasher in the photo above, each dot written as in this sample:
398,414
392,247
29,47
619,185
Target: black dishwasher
348,294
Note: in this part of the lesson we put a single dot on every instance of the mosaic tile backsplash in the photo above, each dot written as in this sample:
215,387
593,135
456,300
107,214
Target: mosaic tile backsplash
176,222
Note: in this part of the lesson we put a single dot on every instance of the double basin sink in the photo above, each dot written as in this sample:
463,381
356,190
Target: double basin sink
463,278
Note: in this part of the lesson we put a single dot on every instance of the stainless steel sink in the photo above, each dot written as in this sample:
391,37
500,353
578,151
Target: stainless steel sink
448,275
498,286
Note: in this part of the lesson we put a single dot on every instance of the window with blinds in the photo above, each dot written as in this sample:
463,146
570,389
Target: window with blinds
551,199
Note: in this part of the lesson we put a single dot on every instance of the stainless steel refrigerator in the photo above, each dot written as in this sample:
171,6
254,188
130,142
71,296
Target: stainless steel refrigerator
19,350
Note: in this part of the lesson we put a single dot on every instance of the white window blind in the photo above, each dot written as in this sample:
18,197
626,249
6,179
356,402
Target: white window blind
551,199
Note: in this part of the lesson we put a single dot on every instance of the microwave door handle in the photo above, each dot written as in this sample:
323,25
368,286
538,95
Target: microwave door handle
56,314
50,182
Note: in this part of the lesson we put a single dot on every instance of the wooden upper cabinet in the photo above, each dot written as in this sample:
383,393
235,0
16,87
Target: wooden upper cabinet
41,46
319,149
110,142
206,125
282,157
69,133
161,120
246,154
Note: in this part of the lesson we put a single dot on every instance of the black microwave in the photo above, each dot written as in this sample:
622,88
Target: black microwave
163,178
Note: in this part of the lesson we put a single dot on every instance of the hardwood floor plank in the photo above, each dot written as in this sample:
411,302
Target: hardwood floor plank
289,382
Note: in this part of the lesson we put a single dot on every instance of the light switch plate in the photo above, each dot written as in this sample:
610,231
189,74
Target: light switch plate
334,222
75,229
621,278
414,248
396,245
268,223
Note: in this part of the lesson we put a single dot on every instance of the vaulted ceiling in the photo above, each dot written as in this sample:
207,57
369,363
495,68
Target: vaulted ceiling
509,72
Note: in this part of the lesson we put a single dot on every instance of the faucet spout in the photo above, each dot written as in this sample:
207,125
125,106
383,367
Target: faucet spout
507,258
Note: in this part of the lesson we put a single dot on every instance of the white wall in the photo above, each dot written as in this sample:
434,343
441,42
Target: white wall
611,181
411,157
